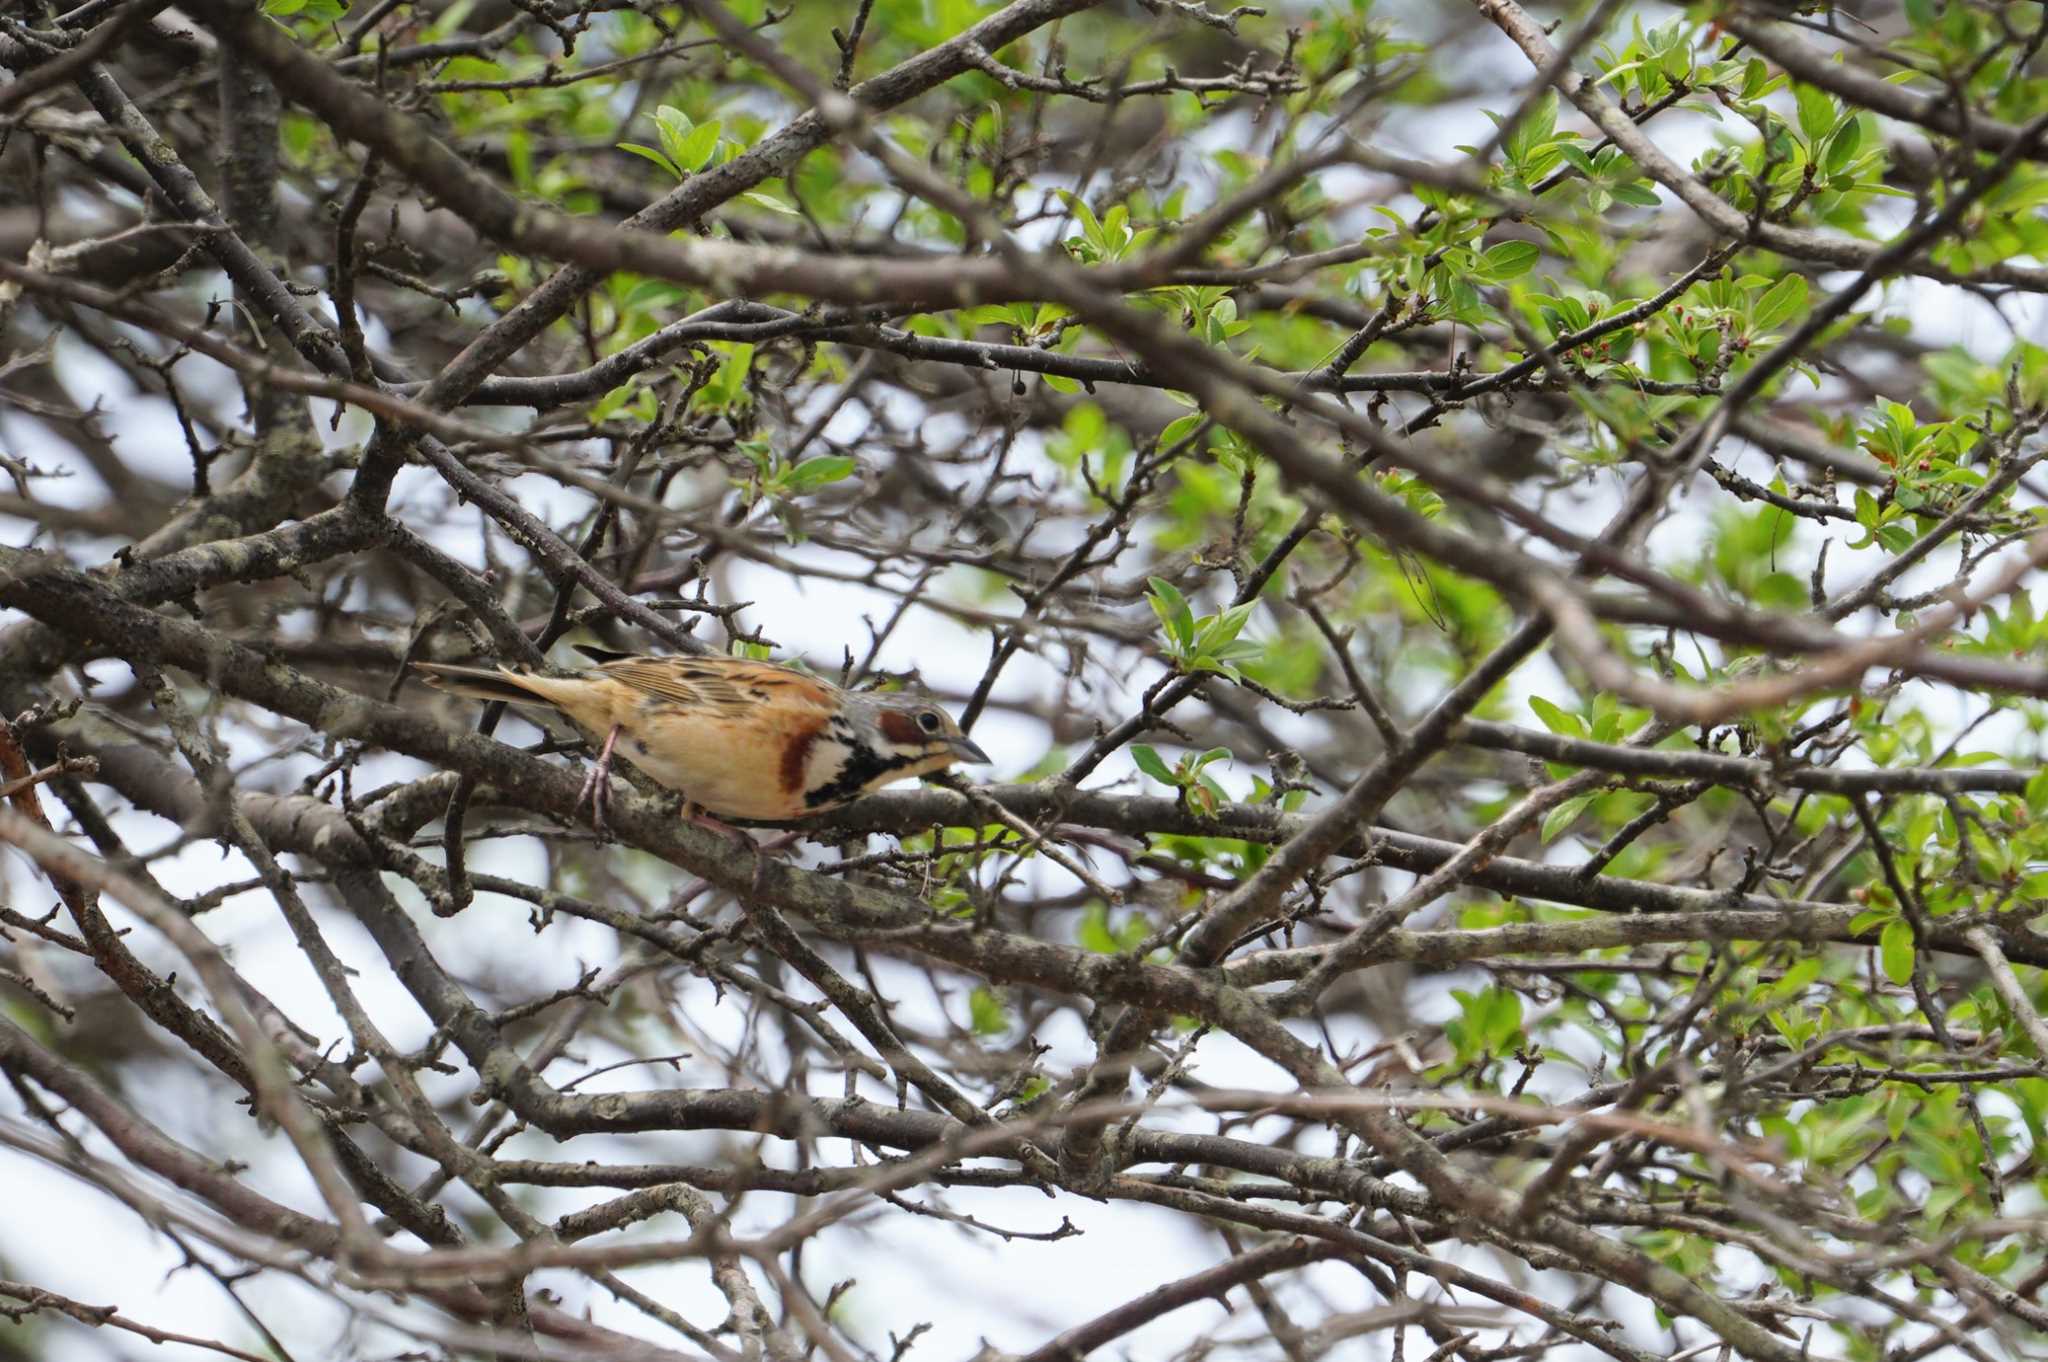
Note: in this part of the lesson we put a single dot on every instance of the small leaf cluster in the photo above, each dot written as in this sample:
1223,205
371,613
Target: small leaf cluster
1107,239
782,482
1103,936
1489,1023
1192,786
315,11
686,147
1206,643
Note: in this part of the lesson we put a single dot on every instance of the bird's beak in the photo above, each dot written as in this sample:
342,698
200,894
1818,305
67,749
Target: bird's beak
965,749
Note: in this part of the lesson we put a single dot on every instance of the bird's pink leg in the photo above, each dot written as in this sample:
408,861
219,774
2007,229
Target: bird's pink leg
597,787
711,822
761,850
766,851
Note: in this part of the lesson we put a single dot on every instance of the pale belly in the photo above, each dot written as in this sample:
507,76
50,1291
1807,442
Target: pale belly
713,767
713,773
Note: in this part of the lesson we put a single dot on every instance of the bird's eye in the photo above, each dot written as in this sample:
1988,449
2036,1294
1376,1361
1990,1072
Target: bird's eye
928,721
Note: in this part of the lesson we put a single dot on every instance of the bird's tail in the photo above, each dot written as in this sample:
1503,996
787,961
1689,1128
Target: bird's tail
484,683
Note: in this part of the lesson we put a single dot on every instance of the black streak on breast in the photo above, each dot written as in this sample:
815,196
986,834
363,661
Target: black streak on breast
864,766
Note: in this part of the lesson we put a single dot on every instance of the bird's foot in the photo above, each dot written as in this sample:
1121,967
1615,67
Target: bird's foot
762,852
597,788
711,822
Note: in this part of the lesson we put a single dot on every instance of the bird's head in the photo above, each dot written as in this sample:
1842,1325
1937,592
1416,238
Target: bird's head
915,736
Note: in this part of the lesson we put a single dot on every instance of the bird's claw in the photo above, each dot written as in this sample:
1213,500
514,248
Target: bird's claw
712,823
597,788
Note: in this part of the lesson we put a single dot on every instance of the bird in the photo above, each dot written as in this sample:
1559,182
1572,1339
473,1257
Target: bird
737,738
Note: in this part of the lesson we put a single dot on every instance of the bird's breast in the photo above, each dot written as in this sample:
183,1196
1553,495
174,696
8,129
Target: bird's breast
731,762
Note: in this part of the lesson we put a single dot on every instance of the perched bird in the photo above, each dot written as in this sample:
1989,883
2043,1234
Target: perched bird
736,738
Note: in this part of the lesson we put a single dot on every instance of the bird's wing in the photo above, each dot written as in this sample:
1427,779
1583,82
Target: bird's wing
716,682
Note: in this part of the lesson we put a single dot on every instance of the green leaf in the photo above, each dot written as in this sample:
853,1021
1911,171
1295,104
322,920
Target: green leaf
1785,298
1557,720
651,154
674,127
696,149
1217,634
519,157
461,68
1180,428
1488,1022
1090,228
770,202
611,402
1503,1019
1094,933
1794,980
1151,763
1172,609
1535,130
1816,112
1564,815
1578,160
1895,950
1843,145
986,1013
1755,76
1509,260
815,473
